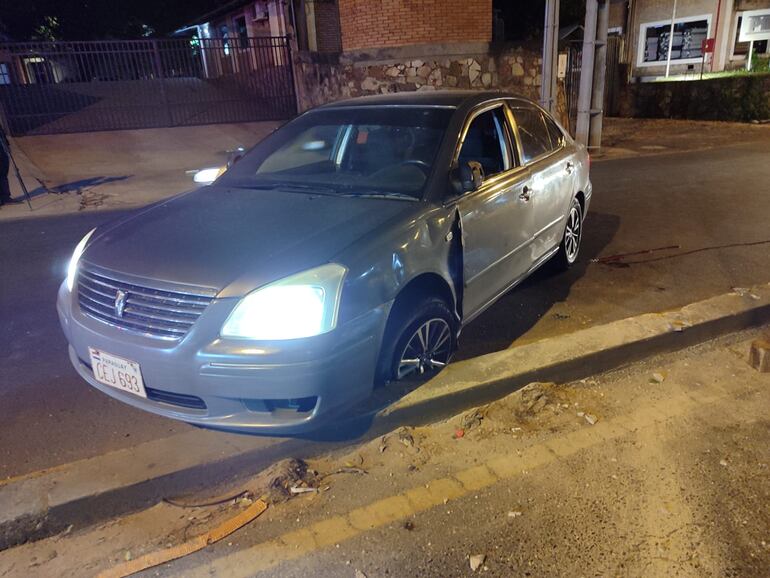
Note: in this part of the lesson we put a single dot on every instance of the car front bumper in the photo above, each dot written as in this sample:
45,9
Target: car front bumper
278,387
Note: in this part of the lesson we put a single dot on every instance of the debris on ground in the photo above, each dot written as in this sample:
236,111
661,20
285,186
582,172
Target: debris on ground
359,574
759,355
275,482
459,432
302,490
405,437
476,560
679,325
591,419
472,420
657,377
514,514
534,398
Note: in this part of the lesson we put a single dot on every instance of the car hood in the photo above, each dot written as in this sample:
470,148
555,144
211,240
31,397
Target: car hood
235,240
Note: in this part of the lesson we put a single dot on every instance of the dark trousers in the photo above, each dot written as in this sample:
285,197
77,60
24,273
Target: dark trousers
5,190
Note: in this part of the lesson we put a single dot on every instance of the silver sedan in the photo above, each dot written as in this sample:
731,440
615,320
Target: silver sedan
346,250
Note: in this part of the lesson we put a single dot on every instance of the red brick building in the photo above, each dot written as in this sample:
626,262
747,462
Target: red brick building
366,24
353,25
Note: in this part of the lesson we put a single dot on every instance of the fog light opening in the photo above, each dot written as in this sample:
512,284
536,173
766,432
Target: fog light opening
296,406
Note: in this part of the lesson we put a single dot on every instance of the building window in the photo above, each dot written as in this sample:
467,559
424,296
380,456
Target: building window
242,31
5,75
741,49
689,33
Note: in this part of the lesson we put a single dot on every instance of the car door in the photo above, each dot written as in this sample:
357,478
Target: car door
496,217
543,151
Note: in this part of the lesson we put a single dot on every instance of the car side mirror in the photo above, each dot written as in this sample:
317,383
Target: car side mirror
471,176
207,176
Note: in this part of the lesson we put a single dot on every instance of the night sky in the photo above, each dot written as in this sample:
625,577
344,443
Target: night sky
99,19
104,19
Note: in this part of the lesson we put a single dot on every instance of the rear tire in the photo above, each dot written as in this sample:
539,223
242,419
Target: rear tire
569,250
418,342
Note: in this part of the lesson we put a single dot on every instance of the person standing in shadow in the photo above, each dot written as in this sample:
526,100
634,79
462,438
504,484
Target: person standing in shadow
5,165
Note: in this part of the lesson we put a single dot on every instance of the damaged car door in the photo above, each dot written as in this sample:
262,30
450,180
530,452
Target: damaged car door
495,208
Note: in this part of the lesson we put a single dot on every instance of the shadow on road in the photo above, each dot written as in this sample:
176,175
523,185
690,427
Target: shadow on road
75,186
522,307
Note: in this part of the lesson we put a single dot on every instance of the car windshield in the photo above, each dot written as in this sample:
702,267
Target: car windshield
361,151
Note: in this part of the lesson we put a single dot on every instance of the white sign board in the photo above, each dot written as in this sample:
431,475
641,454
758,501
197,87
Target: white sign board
562,70
755,25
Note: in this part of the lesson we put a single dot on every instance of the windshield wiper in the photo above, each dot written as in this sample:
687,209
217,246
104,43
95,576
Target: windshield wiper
290,188
382,195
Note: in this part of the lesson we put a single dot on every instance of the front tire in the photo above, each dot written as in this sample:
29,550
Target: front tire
418,344
569,249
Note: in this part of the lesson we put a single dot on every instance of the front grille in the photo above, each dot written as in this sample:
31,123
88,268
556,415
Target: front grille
165,314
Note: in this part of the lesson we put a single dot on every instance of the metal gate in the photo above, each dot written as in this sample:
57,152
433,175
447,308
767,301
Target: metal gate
572,82
612,83
60,87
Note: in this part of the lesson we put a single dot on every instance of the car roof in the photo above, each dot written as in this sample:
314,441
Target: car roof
442,98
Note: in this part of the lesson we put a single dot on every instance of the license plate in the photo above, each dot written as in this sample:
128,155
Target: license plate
117,372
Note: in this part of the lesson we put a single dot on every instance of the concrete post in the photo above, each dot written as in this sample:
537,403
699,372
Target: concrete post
586,73
548,94
600,74
670,40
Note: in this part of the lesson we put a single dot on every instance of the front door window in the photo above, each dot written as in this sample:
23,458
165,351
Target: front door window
486,142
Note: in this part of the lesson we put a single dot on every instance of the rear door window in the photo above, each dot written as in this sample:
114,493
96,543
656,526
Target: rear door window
557,136
533,133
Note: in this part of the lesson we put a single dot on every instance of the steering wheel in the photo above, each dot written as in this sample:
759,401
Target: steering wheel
422,165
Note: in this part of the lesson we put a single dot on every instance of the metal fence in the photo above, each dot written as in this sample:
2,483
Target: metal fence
572,82
612,83
57,87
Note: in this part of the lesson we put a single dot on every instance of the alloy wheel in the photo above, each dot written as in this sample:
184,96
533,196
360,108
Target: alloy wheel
428,349
572,234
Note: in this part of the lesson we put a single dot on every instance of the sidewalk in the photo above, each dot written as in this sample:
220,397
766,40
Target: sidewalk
657,469
119,169
631,137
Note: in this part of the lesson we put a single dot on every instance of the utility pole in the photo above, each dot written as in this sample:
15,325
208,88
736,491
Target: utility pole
671,40
600,75
548,90
592,74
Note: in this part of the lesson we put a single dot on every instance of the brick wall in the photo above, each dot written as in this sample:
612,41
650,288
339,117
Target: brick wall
383,23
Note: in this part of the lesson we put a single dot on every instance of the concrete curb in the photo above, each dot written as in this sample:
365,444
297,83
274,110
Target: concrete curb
88,491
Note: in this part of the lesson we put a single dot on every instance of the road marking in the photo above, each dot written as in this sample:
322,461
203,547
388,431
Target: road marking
328,532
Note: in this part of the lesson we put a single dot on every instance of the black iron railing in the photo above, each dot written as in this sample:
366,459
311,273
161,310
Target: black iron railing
54,87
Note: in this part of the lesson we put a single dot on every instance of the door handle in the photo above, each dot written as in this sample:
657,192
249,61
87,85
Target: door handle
526,193
570,167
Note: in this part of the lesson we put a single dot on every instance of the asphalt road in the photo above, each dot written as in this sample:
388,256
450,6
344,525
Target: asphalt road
711,205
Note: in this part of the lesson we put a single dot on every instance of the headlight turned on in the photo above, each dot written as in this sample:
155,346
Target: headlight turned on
302,305
72,268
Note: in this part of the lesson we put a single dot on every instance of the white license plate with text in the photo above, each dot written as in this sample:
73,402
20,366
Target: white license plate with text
117,372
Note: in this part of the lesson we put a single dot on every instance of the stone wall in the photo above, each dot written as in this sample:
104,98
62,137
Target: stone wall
322,80
737,98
